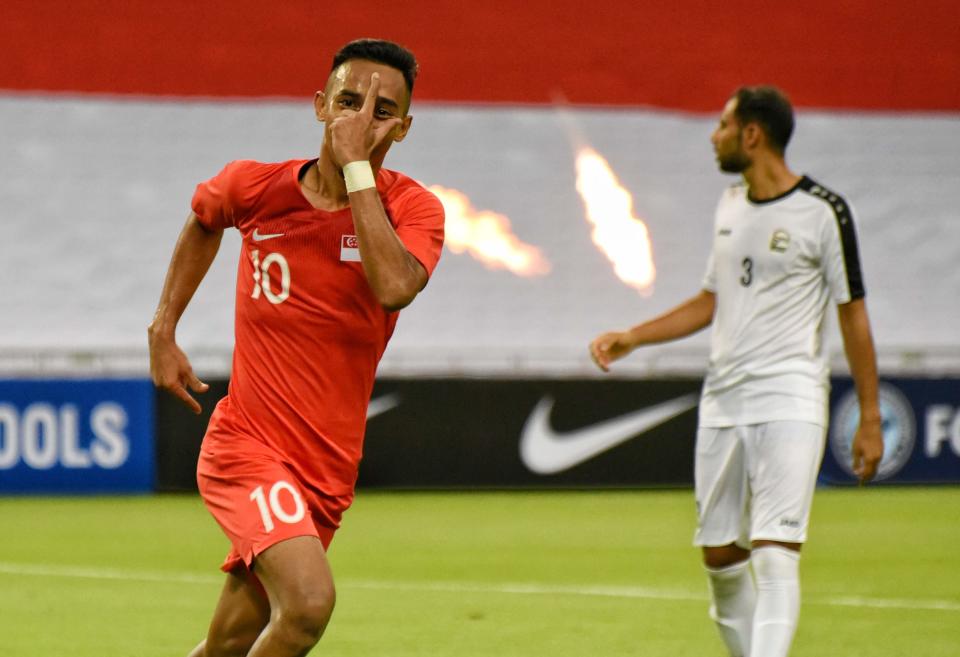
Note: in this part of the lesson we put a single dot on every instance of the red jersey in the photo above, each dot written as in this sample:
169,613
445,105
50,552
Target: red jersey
308,330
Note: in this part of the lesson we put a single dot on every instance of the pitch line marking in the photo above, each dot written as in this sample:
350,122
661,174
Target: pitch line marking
515,588
83,572
639,593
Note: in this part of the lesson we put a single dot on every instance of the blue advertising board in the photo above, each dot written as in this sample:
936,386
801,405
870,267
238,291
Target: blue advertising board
76,436
921,432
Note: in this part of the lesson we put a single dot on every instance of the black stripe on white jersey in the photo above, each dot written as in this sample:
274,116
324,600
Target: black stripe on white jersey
848,234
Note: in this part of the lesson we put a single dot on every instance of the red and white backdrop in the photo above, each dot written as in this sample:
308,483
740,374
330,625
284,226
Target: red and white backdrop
545,127
110,112
857,54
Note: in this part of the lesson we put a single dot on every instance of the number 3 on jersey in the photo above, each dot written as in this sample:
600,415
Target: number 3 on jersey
747,277
261,277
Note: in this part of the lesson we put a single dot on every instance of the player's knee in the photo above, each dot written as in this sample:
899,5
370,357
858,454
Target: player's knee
233,645
305,620
725,555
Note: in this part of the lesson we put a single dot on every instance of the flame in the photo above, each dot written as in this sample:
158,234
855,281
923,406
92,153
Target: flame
620,235
487,236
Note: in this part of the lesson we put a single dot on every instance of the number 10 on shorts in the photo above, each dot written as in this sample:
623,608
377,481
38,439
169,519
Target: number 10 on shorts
271,506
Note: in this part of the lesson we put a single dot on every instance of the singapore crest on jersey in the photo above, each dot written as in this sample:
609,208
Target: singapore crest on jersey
349,248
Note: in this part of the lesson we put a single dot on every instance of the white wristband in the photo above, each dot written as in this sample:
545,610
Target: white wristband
358,175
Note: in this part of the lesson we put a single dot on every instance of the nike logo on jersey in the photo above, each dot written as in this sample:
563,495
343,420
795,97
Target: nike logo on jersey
257,237
545,451
382,404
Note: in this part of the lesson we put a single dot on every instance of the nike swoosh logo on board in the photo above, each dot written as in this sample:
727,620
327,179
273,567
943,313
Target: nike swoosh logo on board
544,451
382,404
257,237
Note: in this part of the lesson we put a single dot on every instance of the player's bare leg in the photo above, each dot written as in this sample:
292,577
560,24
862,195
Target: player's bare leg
724,555
300,588
241,614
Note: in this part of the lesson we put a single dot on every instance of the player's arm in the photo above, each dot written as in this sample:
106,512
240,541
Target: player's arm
692,315
858,344
394,275
169,367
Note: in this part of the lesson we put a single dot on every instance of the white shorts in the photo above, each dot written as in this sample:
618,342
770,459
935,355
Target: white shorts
756,482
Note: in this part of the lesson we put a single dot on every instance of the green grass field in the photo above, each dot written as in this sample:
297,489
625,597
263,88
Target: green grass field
480,574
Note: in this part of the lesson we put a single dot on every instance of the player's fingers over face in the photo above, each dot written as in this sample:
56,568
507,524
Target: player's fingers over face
370,102
383,130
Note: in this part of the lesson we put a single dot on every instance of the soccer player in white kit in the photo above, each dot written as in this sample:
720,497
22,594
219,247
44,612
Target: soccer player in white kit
783,245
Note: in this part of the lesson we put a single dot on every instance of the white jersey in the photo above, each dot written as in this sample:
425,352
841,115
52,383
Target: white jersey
774,266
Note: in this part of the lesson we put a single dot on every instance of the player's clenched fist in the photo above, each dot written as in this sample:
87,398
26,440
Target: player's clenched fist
867,448
609,347
357,132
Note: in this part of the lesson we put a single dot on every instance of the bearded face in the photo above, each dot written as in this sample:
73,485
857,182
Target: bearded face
733,159
727,140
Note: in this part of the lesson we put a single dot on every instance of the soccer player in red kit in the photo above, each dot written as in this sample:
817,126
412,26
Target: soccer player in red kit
332,248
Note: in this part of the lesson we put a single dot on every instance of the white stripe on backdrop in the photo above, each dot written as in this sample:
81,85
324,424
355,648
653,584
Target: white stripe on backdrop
95,191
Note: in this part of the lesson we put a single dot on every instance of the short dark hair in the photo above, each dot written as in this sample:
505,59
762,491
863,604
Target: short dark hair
383,52
771,109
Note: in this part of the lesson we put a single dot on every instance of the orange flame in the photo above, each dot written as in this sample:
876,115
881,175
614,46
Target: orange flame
620,235
487,236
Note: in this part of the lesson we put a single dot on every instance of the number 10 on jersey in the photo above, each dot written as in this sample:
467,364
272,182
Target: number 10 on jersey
271,507
261,277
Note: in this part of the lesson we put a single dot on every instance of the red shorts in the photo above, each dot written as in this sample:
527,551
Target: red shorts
257,499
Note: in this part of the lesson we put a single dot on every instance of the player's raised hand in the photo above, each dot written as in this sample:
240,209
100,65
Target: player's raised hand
610,347
867,449
357,133
171,370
